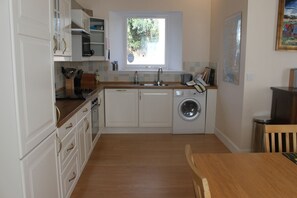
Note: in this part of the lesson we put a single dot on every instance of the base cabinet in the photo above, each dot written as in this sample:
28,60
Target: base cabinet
138,108
74,147
85,140
101,111
41,170
155,107
121,107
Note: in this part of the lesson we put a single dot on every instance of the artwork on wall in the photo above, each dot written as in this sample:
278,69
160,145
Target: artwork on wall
232,43
286,38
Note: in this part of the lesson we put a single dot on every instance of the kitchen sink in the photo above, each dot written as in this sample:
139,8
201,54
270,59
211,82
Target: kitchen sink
153,85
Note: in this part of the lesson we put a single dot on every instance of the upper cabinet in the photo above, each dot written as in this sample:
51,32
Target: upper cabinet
62,46
80,20
99,40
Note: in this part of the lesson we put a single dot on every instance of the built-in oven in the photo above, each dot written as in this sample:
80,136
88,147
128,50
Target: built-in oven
86,45
95,118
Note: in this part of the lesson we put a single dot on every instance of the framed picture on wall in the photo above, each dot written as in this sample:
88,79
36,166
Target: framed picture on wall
232,45
286,36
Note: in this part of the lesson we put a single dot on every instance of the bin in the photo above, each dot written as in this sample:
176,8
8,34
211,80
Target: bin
258,133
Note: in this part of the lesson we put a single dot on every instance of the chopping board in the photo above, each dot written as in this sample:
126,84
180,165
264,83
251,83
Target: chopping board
88,81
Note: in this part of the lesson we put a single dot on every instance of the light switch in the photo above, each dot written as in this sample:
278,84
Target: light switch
249,76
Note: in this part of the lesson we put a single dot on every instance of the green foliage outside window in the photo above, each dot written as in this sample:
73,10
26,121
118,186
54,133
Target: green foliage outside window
140,31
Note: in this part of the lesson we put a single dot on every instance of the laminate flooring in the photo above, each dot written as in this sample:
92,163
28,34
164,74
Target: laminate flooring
142,166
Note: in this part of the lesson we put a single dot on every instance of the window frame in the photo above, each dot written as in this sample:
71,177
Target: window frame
173,42
145,67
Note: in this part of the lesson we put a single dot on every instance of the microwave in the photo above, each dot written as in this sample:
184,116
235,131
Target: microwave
81,46
86,45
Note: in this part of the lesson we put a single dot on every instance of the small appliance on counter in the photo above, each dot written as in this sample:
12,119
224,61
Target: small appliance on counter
186,78
77,84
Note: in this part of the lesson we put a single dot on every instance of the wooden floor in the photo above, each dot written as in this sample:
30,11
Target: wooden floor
142,166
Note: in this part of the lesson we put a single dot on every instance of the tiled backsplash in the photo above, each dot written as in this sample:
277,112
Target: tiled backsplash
106,74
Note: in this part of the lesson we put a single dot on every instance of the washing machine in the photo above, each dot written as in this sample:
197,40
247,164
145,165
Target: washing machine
189,112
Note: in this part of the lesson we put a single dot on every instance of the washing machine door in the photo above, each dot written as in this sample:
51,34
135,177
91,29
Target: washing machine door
189,109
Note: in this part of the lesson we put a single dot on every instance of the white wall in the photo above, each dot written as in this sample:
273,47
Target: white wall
230,96
268,67
196,16
265,67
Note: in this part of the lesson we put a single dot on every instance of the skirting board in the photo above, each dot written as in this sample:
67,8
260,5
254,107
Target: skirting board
228,143
135,130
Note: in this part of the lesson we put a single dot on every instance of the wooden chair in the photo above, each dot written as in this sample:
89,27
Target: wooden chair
200,183
280,138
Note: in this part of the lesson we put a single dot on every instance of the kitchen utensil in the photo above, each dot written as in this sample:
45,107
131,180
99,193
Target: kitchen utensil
68,72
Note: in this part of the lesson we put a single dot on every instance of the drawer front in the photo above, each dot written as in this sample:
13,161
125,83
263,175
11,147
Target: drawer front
70,177
83,111
68,149
67,127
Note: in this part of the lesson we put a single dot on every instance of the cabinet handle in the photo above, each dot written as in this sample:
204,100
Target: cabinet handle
121,90
139,95
70,126
99,102
60,144
58,113
55,44
73,177
65,44
71,147
85,110
88,125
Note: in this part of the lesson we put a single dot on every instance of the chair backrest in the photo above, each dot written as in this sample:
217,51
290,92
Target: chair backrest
200,183
280,138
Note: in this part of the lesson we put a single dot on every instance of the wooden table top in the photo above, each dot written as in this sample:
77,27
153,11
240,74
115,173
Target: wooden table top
248,174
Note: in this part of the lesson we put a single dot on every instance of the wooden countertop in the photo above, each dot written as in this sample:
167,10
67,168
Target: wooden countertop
248,174
69,107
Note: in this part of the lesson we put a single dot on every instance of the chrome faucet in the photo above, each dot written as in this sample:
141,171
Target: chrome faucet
160,71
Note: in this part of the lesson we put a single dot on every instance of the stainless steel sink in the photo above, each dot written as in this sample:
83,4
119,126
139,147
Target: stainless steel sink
153,85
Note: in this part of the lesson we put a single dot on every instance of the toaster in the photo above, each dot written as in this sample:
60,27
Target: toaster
186,78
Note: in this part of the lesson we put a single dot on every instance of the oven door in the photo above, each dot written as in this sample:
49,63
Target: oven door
95,121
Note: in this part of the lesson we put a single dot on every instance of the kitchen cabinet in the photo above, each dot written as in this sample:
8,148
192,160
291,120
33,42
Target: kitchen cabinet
101,111
40,170
85,135
155,107
138,108
70,177
27,138
81,20
74,147
98,38
211,105
62,44
121,107
67,148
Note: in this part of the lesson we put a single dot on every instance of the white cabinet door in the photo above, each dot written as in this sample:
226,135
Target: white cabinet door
88,134
33,72
85,140
101,111
62,43
155,108
121,107
211,105
66,43
40,170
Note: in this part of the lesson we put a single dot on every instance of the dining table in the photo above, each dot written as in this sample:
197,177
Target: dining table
256,175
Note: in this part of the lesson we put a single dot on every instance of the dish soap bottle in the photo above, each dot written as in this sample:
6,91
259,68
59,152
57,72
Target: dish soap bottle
136,77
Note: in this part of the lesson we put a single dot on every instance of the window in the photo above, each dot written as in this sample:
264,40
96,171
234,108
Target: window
148,41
